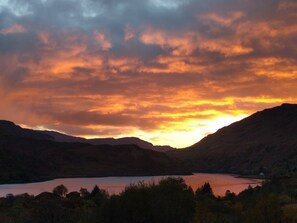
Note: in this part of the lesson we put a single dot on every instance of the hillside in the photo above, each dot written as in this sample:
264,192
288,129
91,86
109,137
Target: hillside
27,155
263,142
10,128
25,160
60,137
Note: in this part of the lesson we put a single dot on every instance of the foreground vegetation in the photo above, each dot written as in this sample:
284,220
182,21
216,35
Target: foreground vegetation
170,201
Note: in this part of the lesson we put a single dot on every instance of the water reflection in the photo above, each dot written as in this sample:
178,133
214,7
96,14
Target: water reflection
114,185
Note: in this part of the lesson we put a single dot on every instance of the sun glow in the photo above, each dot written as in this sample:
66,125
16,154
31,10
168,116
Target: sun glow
180,135
197,131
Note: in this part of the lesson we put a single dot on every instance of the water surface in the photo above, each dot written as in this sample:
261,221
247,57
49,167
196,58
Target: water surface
114,185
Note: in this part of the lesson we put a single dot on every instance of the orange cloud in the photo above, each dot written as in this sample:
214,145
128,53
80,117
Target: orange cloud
16,28
226,47
129,33
102,40
285,5
183,44
277,68
44,37
226,20
119,65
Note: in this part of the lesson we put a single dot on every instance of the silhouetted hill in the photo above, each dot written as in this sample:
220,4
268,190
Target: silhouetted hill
25,160
59,137
130,140
8,128
264,142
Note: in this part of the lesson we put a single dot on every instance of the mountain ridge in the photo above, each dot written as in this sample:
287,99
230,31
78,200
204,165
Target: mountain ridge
26,158
61,137
12,129
266,141
9,128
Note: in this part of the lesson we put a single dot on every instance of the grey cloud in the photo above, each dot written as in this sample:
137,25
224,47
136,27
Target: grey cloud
18,42
113,17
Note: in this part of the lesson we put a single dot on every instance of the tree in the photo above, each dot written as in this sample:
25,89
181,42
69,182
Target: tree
204,191
266,210
60,190
95,191
84,193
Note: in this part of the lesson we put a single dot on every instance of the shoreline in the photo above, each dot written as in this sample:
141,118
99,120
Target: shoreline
50,178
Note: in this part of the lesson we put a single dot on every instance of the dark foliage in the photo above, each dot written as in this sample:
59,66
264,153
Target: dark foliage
169,201
60,190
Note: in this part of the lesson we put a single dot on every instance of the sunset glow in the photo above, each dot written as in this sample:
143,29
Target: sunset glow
169,72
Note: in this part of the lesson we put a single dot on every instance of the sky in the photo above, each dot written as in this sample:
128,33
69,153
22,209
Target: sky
167,71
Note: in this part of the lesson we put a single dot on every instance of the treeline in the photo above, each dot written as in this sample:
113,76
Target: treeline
169,201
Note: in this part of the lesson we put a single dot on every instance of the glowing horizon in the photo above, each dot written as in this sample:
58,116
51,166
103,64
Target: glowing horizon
180,139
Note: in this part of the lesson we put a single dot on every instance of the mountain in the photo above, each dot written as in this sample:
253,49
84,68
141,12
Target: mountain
60,137
27,155
263,142
8,128
130,140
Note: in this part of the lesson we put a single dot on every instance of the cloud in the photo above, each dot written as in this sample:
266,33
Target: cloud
16,28
102,40
153,69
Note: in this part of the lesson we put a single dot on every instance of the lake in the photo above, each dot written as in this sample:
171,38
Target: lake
114,185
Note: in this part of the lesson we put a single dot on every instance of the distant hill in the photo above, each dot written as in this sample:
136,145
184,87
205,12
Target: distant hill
27,155
130,140
263,142
8,128
60,137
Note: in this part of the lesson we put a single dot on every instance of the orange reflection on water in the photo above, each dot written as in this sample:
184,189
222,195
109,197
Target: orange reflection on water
114,185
